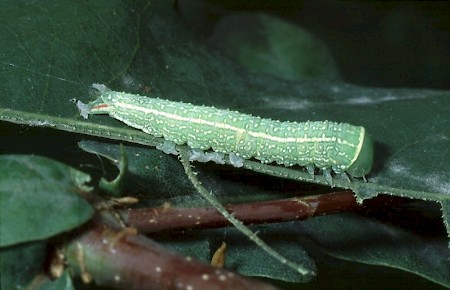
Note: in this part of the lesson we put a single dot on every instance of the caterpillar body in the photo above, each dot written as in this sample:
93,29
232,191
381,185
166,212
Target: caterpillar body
326,145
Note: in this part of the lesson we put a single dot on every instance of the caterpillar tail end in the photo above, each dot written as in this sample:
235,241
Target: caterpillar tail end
363,164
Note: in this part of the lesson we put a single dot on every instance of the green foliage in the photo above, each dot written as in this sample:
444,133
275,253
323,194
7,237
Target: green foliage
62,283
20,263
273,46
39,191
53,51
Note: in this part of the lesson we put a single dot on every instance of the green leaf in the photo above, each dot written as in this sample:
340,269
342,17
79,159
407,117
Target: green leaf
148,169
273,46
156,178
52,51
195,73
19,264
62,283
197,248
38,191
252,261
351,237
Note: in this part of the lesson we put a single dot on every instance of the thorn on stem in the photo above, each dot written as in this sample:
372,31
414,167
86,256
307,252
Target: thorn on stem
218,259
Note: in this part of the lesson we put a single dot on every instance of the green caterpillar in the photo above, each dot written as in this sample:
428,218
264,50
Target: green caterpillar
326,145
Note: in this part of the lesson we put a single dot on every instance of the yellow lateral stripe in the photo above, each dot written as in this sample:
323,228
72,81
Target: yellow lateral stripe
233,128
359,146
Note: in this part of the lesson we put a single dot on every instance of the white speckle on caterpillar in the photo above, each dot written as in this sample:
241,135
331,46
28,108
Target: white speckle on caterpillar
326,145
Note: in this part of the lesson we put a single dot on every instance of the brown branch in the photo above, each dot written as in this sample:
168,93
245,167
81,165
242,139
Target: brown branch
125,260
149,220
